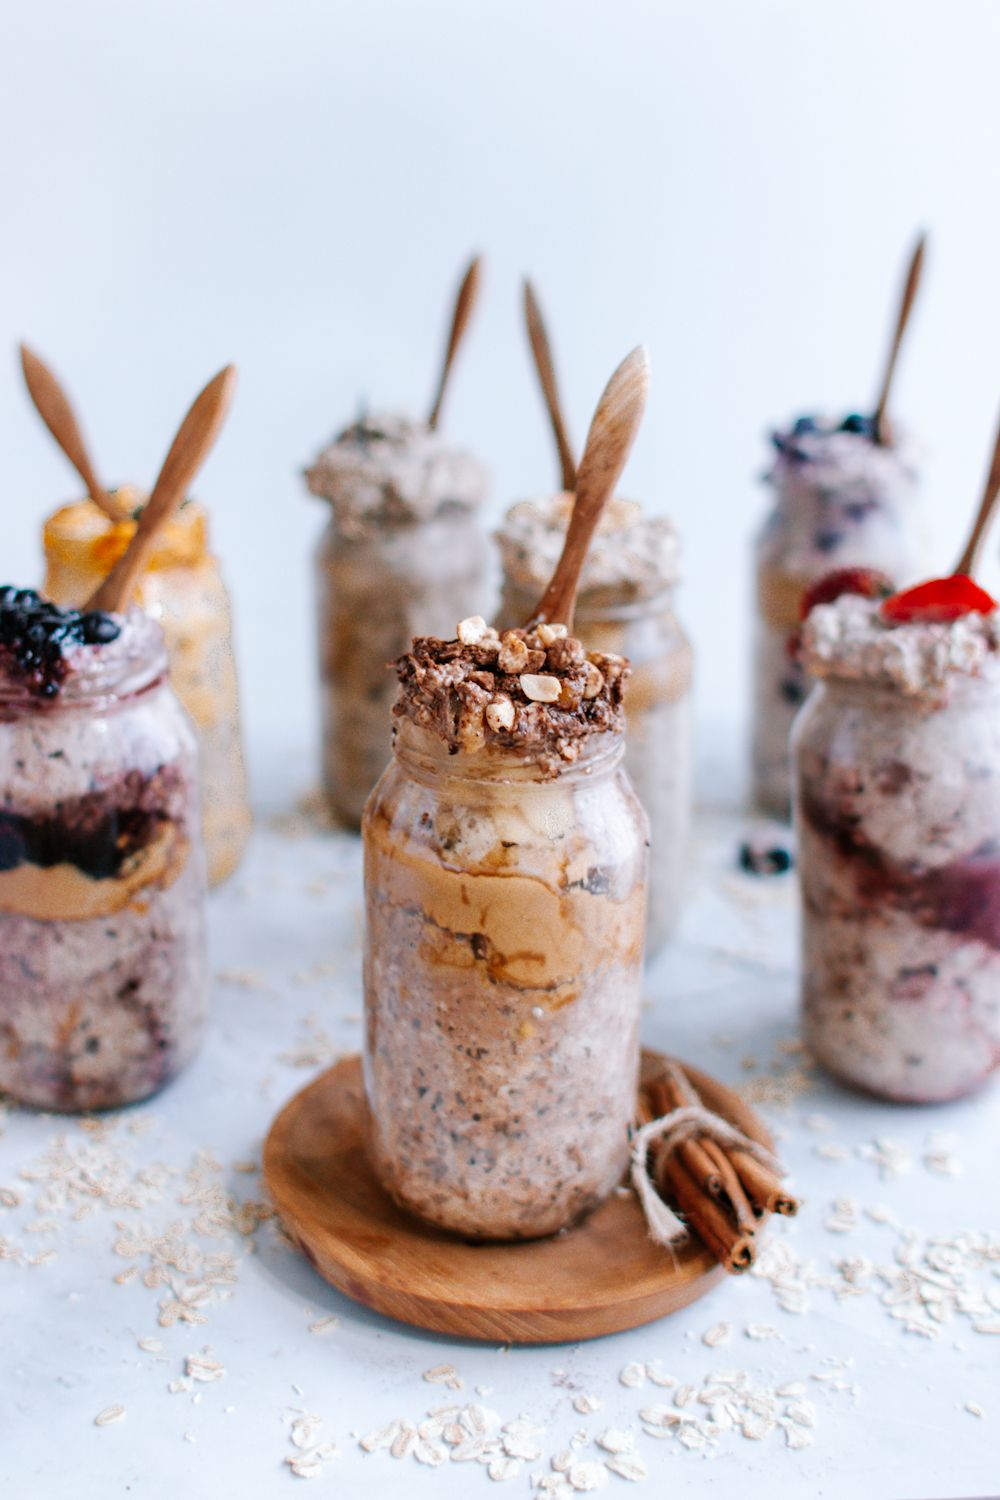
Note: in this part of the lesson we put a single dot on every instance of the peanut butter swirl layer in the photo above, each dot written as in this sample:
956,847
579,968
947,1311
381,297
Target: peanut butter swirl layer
534,691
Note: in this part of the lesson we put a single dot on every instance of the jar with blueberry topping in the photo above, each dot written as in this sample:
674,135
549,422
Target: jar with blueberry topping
625,606
841,500
103,965
183,590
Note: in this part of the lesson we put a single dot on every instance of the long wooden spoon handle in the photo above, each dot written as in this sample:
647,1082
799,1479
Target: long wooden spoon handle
54,408
902,319
969,559
188,452
612,433
542,351
464,303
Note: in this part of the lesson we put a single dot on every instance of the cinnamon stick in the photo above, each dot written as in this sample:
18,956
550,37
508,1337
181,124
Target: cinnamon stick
732,1247
731,1187
764,1189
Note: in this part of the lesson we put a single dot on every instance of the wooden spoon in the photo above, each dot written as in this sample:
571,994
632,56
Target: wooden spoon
541,349
54,408
188,452
882,430
969,560
464,303
612,433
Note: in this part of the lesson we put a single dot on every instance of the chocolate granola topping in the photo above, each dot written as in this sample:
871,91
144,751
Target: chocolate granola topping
535,691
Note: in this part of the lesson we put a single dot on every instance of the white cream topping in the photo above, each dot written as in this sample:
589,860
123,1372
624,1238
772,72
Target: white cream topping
633,554
849,639
388,470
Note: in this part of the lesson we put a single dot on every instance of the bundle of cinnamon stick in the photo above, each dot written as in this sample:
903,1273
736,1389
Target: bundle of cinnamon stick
722,1192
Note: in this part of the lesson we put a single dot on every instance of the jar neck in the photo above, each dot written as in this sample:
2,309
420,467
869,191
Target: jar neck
425,758
98,680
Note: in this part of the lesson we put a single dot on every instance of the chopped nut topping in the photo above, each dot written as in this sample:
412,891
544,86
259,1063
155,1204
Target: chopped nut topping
472,631
514,653
595,681
532,690
541,689
500,715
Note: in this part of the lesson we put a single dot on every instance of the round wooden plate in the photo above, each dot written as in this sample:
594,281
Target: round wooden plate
604,1275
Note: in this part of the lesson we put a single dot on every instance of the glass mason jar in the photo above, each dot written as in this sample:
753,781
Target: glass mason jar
898,819
841,501
183,590
659,755
375,592
103,966
503,982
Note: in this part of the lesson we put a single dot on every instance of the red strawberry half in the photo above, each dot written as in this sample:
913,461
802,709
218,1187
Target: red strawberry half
938,601
867,582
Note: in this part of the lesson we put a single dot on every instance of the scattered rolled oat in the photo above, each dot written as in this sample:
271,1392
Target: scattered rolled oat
627,1466
108,1415
633,1375
586,1404
616,1440
973,1408
325,1325
587,1476
719,1333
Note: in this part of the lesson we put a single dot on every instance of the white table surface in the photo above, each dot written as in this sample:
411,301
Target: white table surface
890,1403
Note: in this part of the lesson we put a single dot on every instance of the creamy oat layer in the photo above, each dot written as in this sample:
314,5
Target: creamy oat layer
389,470
632,556
535,691
849,639
898,807
102,990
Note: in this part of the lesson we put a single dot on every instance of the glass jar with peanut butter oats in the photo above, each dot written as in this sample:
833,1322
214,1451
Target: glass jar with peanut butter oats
183,590
625,606
505,876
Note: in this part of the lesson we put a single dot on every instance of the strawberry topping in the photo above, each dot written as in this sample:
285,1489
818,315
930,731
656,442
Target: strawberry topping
867,582
938,601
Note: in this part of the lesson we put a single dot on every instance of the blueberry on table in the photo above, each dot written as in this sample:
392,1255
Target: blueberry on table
765,856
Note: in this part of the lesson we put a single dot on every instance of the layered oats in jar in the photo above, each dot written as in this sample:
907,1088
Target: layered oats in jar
103,969
841,500
625,606
897,759
403,554
505,877
182,589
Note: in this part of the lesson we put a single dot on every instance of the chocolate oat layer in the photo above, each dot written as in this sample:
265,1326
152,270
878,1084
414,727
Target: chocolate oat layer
535,691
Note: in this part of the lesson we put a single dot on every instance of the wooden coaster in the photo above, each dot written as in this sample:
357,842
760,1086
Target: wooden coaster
604,1275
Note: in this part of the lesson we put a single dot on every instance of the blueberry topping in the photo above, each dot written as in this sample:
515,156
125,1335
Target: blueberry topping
98,628
34,634
792,691
855,422
826,540
805,424
761,857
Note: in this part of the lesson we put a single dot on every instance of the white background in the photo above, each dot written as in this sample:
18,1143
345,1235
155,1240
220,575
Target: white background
295,187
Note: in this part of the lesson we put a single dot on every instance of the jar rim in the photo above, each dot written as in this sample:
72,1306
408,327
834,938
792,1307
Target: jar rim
422,753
